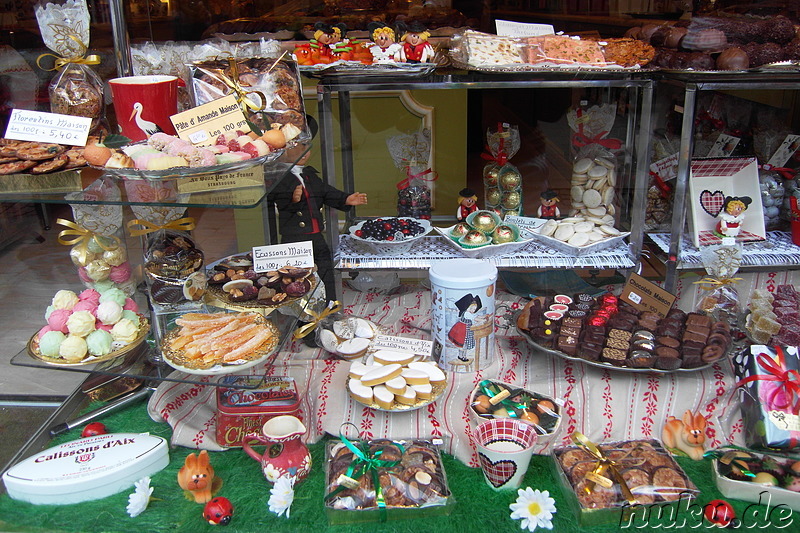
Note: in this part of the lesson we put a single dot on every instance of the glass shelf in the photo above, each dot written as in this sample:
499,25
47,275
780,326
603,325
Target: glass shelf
238,190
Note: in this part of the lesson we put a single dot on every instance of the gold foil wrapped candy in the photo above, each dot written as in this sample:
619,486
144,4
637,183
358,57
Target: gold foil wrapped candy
511,200
504,233
80,257
474,239
115,257
483,220
493,196
491,174
98,270
510,179
459,230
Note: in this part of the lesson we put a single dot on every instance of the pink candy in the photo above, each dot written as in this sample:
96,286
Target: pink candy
130,305
121,273
58,320
84,276
44,330
86,305
89,295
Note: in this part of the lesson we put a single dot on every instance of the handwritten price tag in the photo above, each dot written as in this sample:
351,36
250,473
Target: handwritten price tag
403,344
36,126
296,254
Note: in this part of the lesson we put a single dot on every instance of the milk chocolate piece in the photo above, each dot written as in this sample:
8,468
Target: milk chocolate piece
571,322
665,351
669,342
568,345
691,361
691,350
719,338
641,359
572,332
668,363
668,331
591,351
649,315
699,319
712,352
720,326
649,325
675,312
691,336
692,345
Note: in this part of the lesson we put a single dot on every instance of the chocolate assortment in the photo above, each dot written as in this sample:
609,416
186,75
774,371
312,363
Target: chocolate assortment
649,472
758,470
415,479
235,282
173,266
609,331
494,399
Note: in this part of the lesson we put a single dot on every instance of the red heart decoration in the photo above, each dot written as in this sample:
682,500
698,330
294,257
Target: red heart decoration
712,202
497,472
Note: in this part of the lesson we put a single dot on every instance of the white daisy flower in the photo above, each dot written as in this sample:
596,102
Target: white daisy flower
535,508
281,496
271,473
138,501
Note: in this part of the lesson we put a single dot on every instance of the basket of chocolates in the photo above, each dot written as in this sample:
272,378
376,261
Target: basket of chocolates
495,399
610,333
388,235
484,234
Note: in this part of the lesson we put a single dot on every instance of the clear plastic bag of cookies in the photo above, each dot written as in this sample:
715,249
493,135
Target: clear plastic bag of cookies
76,89
346,336
272,89
717,294
413,477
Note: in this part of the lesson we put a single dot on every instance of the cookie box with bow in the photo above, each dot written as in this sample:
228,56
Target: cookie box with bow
769,378
86,469
616,482
380,480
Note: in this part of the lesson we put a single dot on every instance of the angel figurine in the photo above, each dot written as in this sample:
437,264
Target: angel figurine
386,49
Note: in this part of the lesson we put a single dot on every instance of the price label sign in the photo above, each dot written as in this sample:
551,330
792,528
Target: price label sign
202,125
403,344
25,125
296,254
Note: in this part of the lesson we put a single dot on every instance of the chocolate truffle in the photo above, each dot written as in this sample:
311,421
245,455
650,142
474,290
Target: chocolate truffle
733,59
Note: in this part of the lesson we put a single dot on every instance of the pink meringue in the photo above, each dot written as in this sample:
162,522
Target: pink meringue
86,305
130,305
58,320
120,273
89,295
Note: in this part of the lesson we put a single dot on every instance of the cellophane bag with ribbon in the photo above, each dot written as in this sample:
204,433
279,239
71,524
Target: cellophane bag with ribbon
380,480
174,58
97,240
268,88
717,295
173,264
502,181
345,336
633,472
594,169
76,90
769,381
412,153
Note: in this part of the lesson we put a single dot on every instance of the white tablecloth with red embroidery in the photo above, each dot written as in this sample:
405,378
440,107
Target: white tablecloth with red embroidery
604,405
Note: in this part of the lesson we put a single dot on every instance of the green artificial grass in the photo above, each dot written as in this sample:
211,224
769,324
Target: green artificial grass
478,508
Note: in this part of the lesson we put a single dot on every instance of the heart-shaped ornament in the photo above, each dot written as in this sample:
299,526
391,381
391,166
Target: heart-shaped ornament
497,472
712,202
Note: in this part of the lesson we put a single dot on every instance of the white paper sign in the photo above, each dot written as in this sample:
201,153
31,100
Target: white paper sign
36,126
507,28
666,168
723,146
785,151
296,254
403,344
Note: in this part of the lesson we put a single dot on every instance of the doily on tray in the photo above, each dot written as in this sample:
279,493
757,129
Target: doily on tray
776,250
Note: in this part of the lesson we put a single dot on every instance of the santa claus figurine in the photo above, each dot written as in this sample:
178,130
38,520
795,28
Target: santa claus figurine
416,48
732,215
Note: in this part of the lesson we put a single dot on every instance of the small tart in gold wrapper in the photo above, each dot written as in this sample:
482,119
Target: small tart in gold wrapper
483,220
474,239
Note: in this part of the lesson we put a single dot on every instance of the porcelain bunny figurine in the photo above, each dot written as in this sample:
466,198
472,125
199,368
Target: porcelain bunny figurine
687,435
197,478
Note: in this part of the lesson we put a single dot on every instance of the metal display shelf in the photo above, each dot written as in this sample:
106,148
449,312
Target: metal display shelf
430,249
633,169
692,83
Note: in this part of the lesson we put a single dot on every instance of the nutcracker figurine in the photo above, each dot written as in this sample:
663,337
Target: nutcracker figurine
416,48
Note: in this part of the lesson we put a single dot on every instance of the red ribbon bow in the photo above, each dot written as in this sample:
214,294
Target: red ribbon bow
704,116
580,139
789,380
406,182
663,186
786,172
501,158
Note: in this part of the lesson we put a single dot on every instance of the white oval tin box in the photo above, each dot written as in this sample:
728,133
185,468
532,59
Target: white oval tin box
462,312
86,469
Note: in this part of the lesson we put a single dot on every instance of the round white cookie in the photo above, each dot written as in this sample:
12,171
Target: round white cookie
584,227
608,196
582,166
596,235
576,193
598,171
609,230
579,239
564,232
592,198
548,228
598,211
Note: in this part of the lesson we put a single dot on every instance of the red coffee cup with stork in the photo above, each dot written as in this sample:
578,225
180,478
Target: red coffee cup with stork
143,104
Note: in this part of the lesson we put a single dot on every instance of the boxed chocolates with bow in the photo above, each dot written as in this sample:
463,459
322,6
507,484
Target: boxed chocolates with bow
609,482
769,378
381,479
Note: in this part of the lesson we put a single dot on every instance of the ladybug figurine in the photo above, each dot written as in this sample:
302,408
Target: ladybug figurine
94,429
721,514
218,511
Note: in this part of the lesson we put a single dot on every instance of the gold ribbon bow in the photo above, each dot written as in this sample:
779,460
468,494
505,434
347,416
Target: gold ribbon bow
305,329
606,472
181,224
81,58
241,95
709,284
81,237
